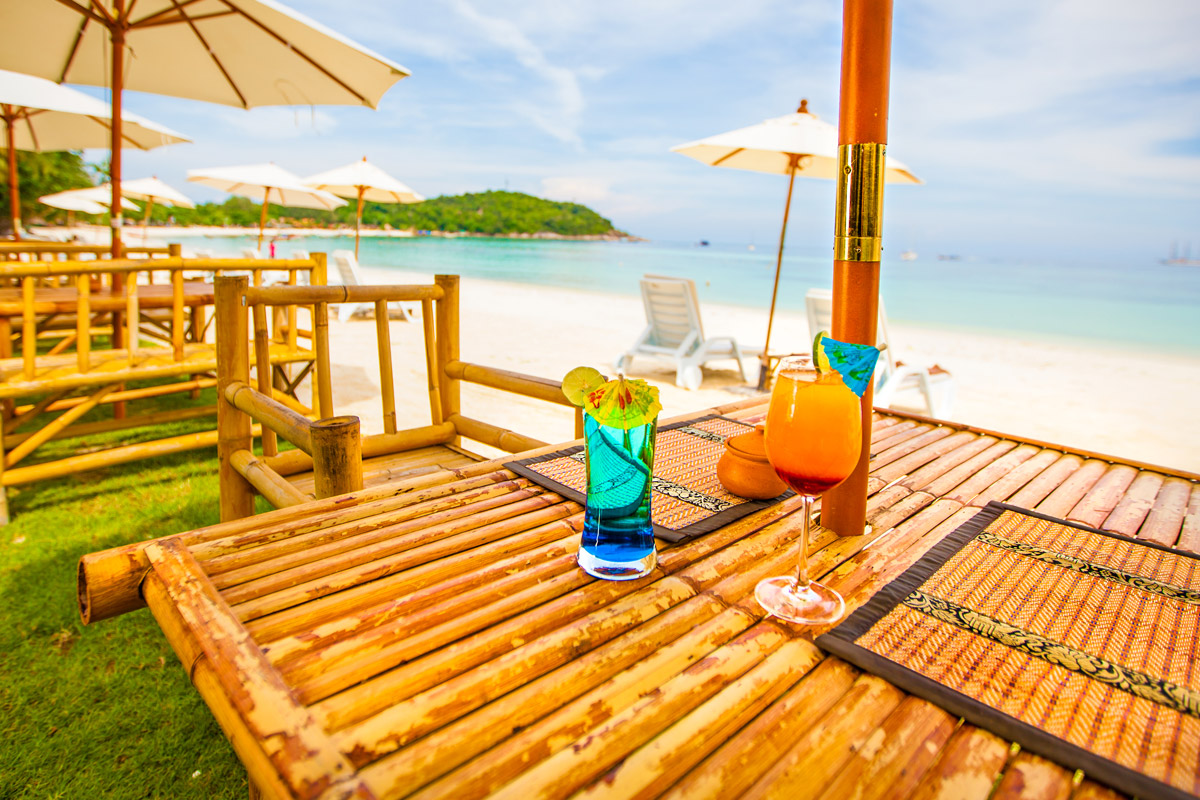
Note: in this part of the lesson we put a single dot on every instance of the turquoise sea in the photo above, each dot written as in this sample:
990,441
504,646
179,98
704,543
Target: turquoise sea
1141,304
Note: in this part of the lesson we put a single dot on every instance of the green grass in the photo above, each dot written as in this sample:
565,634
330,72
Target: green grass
106,710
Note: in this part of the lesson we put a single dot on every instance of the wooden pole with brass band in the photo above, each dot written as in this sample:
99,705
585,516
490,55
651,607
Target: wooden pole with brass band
862,139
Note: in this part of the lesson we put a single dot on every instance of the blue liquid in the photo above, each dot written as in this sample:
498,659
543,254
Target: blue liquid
618,539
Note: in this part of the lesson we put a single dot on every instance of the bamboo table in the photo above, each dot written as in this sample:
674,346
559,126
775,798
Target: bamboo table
434,638
54,300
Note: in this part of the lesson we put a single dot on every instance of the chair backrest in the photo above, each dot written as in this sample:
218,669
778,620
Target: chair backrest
251,252
347,267
672,310
818,303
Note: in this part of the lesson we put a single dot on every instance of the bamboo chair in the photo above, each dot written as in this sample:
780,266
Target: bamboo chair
331,448
108,337
892,377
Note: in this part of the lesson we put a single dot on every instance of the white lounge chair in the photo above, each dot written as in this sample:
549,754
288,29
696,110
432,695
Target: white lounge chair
346,266
934,383
674,331
251,253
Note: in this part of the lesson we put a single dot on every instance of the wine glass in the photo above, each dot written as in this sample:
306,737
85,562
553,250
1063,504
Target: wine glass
813,441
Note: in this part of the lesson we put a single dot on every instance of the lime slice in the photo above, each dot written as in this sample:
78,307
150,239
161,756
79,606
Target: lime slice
580,382
819,358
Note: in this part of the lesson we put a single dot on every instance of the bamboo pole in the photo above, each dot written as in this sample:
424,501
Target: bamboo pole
862,139
262,364
14,456
108,458
83,314
14,194
269,483
116,24
177,308
539,388
431,363
279,742
377,444
29,334
493,435
337,456
383,342
132,318
233,426
275,416
140,421
447,324
322,381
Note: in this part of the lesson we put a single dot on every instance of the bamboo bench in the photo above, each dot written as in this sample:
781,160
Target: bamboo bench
332,456
73,334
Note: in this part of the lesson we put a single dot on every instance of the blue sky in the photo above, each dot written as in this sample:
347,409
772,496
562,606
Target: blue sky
1044,129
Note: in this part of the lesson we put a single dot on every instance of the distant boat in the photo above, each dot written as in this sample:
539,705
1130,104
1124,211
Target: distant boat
1184,260
908,255
704,242
949,258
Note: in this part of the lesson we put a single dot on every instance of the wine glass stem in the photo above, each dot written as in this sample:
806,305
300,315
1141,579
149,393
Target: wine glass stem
802,579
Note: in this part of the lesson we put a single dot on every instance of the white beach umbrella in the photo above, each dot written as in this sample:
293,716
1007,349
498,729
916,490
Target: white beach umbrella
247,53
90,200
364,181
41,116
152,191
266,182
795,144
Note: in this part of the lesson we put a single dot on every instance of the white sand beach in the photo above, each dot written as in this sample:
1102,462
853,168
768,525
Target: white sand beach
1136,404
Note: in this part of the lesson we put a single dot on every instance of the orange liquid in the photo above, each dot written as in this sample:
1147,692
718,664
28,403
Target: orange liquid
813,432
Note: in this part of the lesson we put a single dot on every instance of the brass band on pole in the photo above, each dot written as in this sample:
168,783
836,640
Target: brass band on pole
858,228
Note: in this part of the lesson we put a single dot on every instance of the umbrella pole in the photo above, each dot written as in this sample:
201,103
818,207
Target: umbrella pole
14,194
146,217
764,370
115,217
262,218
358,219
862,138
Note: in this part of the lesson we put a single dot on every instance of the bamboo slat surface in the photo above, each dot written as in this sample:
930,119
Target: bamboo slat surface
440,642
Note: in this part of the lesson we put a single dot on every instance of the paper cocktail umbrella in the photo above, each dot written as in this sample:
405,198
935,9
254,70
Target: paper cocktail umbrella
854,362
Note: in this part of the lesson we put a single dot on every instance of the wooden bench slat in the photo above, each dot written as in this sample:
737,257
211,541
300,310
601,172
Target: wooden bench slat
1072,490
1164,523
1095,506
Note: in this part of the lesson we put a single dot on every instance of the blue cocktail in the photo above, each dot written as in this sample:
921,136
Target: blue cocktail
618,540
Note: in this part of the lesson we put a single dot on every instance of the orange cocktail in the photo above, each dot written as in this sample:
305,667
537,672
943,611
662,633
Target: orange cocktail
813,441
813,431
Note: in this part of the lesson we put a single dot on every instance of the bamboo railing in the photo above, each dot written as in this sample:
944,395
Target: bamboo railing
60,251
74,333
333,447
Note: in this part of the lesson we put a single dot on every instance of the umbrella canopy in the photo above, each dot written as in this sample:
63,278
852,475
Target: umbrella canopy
266,182
364,181
152,190
92,200
773,144
795,144
41,116
248,54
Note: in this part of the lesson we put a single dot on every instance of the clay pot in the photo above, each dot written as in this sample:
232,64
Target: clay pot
744,470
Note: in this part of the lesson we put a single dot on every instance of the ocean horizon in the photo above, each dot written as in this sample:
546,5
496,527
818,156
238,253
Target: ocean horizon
1145,304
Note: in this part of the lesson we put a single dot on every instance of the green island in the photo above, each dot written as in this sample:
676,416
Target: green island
490,213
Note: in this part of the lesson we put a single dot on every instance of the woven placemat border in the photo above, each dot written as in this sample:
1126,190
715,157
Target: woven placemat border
841,642
687,533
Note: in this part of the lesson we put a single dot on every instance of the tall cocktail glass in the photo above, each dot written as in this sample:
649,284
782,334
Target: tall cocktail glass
618,539
813,439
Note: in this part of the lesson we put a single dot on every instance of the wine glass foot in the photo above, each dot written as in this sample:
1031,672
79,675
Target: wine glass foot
813,604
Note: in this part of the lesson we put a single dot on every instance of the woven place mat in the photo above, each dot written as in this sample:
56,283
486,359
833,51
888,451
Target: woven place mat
1078,644
686,498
